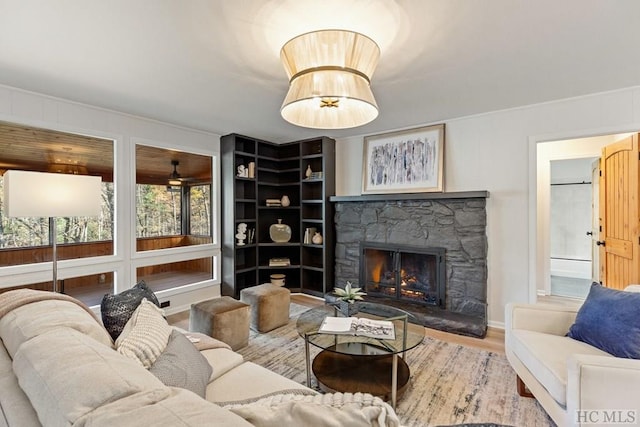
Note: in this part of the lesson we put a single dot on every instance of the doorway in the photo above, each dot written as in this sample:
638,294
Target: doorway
573,207
546,154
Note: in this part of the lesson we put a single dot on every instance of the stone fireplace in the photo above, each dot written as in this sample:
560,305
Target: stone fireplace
454,224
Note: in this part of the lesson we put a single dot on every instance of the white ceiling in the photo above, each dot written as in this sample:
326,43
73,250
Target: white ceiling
214,64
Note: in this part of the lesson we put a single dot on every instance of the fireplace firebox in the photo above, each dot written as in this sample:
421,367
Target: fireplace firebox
405,273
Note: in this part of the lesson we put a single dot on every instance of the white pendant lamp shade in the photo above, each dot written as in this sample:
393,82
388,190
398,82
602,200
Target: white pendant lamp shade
330,73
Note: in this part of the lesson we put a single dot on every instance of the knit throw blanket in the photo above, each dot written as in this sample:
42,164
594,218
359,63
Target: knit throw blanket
318,410
11,300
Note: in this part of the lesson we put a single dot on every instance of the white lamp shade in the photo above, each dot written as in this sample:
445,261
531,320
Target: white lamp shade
330,73
39,194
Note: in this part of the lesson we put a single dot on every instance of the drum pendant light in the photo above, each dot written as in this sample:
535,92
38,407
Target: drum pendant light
329,79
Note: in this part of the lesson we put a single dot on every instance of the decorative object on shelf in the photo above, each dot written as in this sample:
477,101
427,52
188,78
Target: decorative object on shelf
421,170
329,79
347,298
280,233
285,201
241,235
308,234
252,169
277,279
317,238
251,233
279,262
308,172
315,175
242,171
274,203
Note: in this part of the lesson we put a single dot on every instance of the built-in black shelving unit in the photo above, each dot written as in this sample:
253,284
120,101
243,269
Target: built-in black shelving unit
278,170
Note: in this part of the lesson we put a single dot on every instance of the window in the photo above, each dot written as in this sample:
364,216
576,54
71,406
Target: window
29,240
200,199
167,276
173,198
158,211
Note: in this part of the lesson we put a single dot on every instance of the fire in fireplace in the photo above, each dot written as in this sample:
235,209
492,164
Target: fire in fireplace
406,273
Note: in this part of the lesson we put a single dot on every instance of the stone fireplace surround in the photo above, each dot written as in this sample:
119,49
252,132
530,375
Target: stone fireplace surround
455,221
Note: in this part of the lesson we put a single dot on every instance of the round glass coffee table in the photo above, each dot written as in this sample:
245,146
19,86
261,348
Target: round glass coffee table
349,363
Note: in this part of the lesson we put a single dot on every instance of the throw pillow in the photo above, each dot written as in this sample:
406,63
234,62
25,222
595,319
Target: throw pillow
609,319
116,309
182,365
145,335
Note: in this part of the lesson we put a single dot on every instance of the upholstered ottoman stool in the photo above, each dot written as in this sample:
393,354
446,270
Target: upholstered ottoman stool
224,318
269,306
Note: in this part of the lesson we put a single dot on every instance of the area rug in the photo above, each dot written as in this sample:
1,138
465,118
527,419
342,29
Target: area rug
450,384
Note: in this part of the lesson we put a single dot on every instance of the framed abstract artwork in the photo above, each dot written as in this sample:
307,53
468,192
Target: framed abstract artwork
408,161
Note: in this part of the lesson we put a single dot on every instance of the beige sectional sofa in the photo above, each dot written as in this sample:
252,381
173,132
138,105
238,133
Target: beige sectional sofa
58,367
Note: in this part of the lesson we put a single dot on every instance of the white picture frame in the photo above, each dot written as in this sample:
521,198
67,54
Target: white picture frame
408,161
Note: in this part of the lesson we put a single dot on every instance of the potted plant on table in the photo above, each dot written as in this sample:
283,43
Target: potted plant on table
347,298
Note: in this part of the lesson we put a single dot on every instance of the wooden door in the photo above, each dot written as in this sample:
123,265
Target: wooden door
619,239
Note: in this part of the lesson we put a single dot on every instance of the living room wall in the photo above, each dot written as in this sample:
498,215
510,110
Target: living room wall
493,151
18,106
497,152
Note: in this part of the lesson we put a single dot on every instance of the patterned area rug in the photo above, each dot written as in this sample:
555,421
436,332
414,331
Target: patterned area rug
450,384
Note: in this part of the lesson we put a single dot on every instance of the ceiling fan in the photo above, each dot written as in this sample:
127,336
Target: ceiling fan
175,179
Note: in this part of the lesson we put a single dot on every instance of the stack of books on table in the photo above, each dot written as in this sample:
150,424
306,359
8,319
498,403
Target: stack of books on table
279,262
273,202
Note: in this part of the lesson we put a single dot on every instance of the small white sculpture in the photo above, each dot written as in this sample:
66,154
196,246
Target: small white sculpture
241,235
241,171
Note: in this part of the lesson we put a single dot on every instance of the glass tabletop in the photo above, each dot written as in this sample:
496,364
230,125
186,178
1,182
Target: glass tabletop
408,330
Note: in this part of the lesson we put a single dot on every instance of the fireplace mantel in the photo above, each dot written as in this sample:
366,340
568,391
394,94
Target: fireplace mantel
411,196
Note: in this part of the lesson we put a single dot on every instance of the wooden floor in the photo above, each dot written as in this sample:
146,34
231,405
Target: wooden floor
494,341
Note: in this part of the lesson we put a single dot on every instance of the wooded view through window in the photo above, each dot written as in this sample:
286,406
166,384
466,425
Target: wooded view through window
159,210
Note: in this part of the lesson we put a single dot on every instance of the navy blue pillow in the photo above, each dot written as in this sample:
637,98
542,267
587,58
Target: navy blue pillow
610,320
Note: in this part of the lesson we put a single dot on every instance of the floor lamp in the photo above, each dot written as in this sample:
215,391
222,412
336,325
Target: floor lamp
53,195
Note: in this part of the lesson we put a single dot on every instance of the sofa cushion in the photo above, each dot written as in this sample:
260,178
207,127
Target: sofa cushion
222,360
146,334
182,365
546,356
67,374
609,319
30,320
15,408
161,408
249,381
116,310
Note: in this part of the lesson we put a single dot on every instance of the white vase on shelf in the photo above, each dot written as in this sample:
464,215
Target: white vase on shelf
285,201
317,238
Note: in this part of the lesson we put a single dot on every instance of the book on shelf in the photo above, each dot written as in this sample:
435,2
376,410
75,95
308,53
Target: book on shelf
279,262
308,234
382,329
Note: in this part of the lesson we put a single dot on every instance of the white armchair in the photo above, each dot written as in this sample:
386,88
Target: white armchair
574,382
